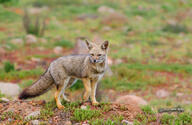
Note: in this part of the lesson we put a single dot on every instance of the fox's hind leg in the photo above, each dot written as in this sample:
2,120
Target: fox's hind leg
60,91
71,82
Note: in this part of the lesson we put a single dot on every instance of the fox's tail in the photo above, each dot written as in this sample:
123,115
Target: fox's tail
39,87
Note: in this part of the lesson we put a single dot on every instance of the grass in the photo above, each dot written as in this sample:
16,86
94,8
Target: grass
8,67
85,114
64,43
149,116
18,75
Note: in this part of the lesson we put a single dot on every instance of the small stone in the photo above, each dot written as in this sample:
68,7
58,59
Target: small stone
4,99
118,61
179,94
35,59
80,46
106,28
131,99
67,123
9,89
110,61
30,39
162,93
37,10
83,107
35,122
58,50
17,41
105,9
126,122
43,40
33,114
10,120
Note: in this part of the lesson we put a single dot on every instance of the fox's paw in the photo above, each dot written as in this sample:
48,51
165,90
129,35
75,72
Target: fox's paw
60,107
95,103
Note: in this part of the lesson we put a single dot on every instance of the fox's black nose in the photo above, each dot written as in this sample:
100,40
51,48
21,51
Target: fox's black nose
94,61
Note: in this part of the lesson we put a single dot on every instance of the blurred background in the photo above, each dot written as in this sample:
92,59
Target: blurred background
150,53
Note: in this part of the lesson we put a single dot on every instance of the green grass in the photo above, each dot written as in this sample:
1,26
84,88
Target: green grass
26,83
176,68
8,67
64,43
85,114
18,75
140,76
149,116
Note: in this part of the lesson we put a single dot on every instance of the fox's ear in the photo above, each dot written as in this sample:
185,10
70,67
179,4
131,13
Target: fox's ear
105,45
89,45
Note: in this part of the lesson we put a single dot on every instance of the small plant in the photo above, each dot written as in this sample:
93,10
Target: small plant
184,119
167,119
8,67
36,27
82,115
147,110
47,110
11,115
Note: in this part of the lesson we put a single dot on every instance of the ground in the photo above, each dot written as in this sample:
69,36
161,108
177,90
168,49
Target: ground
49,114
150,47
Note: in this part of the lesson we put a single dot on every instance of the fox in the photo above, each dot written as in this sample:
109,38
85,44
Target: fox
66,70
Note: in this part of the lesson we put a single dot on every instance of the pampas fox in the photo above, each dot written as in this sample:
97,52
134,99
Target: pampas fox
65,71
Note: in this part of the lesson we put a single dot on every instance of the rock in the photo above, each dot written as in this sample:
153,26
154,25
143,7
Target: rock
80,46
10,120
83,107
106,28
33,114
4,100
110,61
131,99
43,40
35,59
67,123
179,94
105,9
35,122
17,41
118,61
125,122
87,16
58,50
114,19
30,39
9,89
162,93
37,10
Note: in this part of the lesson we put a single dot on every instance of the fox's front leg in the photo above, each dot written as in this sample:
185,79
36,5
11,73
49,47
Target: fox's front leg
93,92
87,86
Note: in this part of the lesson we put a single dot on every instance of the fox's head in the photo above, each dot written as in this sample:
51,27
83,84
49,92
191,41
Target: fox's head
97,53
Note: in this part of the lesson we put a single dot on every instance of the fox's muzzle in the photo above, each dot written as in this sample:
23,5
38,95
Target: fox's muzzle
96,60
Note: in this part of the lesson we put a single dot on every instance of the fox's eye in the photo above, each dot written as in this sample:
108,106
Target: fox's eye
99,55
92,54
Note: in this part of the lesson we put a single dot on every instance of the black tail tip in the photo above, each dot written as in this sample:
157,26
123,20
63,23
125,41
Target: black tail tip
23,95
